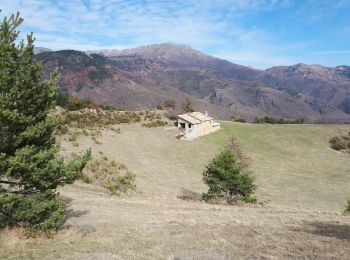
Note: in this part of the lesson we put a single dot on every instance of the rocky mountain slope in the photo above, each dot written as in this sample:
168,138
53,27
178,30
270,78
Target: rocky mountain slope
143,77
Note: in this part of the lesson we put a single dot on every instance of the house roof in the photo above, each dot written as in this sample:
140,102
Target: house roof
195,117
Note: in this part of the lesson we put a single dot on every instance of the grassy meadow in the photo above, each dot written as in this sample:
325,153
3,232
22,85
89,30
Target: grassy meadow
303,182
294,164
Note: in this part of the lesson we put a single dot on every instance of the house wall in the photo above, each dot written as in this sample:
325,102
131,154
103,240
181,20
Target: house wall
206,127
179,120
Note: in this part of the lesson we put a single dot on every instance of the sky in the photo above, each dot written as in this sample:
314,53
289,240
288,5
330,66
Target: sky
257,33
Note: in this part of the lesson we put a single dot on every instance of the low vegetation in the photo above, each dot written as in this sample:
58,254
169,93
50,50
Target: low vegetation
155,123
153,119
347,207
234,118
188,106
98,118
109,174
273,120
169,103
64,100
341,143
228,178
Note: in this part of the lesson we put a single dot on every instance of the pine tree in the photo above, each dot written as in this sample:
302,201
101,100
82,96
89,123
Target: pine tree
188,106
30,168
227,179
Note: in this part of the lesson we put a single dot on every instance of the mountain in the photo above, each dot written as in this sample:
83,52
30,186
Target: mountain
38,50
143,77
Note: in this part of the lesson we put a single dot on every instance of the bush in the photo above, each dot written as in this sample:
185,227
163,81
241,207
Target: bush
155,123
273,120
111,175
151,115
338,143
241,120
227,180
169,103
347,207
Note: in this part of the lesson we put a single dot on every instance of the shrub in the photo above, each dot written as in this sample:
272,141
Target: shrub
62,129
273,120
338,143
227,180
347,207
241,120
155,123
151,115
169,103
111,175
116,130
122,183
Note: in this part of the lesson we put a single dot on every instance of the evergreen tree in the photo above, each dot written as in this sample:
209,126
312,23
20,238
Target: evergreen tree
227,179
30,168
188,106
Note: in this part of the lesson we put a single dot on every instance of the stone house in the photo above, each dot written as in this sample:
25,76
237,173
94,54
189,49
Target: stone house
196,124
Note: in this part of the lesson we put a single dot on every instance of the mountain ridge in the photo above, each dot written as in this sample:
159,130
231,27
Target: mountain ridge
150,73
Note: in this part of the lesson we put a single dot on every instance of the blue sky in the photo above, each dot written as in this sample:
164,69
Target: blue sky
258,33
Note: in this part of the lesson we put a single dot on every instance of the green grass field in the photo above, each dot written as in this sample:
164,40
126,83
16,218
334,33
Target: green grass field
293,164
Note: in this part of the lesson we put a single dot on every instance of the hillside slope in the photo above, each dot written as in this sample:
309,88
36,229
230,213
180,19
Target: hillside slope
146,76
301,180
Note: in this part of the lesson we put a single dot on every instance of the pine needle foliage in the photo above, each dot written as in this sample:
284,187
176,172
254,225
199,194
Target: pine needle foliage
30,167
228,179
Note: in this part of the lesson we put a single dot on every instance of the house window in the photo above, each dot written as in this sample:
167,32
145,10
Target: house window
189,125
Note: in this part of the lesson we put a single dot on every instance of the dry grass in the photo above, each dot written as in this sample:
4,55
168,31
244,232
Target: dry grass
305,180
103,227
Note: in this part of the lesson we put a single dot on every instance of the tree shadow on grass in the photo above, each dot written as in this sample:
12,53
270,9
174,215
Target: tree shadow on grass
70,213
329,229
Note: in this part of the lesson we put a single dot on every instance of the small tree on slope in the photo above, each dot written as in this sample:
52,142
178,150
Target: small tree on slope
188,106
30,168
227,179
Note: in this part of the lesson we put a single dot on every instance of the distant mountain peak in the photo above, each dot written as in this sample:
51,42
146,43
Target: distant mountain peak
142,77
38,50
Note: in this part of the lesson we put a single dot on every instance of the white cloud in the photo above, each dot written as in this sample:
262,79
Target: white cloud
139,22
211,26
